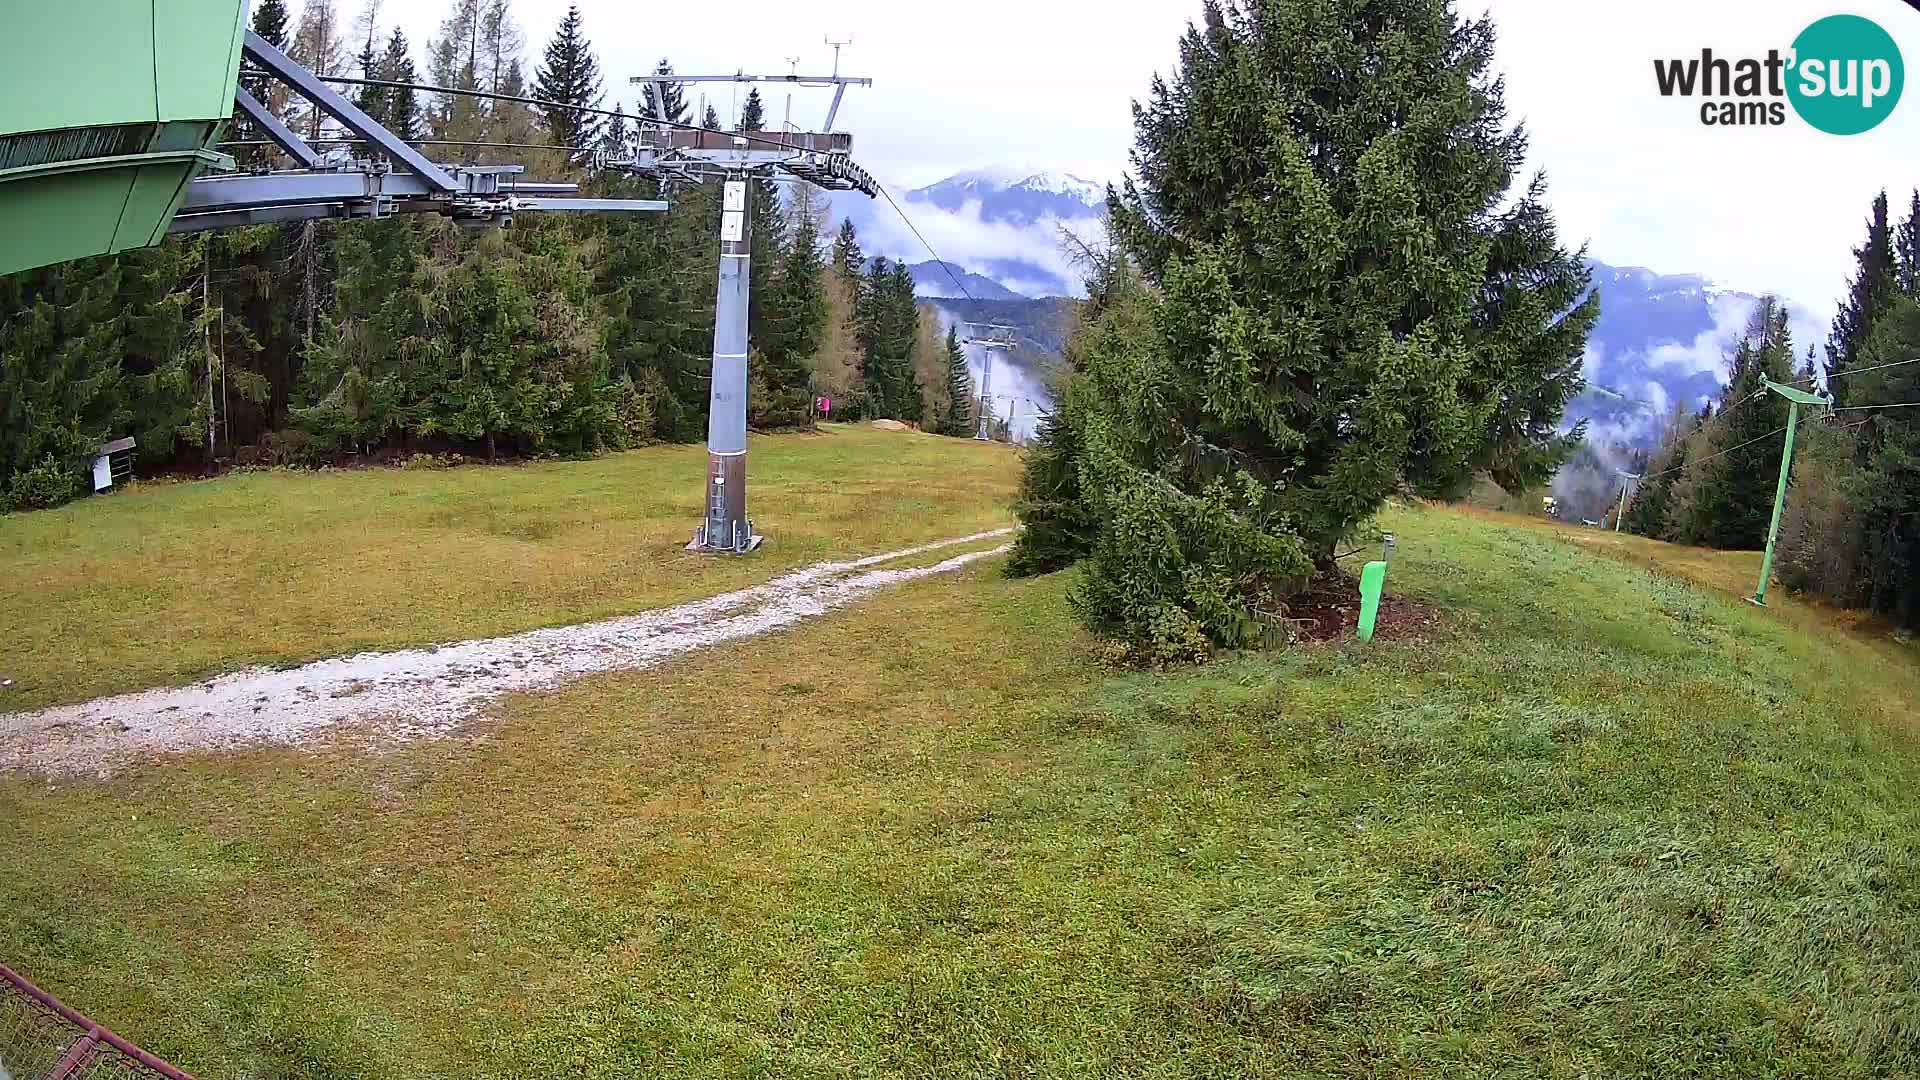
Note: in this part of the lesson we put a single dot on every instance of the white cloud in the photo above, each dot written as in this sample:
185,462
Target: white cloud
965,240
1709,351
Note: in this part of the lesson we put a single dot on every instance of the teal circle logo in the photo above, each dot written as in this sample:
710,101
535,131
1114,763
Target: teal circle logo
1847,75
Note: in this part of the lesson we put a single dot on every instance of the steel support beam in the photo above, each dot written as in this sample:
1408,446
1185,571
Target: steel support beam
543,202
276,64
726,527
833,110
743,77
243,190
270,125
208,220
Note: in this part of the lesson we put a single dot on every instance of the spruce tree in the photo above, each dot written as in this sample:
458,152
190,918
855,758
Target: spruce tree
1349,297
908,395
372,100
847,259
753,114
402,110
270,22
570,74
613,138
711,121
766,226
958,417
1647,511
60,378
889,318
1906,250
795,318
1868,294
1890,477
1734,501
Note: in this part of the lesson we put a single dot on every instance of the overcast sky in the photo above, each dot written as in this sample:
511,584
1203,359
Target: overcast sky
1047,84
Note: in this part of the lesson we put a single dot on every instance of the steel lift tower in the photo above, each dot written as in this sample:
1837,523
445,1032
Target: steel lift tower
994,337
672,152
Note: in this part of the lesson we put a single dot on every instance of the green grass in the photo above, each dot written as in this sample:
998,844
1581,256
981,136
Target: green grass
1603,821
172,582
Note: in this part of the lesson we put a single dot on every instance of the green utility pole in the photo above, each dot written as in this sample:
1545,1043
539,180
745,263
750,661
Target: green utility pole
1796,398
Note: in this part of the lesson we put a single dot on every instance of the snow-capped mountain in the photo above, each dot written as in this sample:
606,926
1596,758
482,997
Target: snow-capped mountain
1021,200
1000,224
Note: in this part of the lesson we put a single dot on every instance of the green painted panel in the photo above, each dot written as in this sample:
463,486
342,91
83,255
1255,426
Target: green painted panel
197,46
86,89
125,61
59,70
49,219
156,193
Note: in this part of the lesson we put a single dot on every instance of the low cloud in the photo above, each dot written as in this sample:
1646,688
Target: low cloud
1711,351
1018,395
966,240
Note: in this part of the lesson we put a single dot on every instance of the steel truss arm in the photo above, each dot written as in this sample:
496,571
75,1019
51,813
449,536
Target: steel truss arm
219,202
270,125
337,186
276,63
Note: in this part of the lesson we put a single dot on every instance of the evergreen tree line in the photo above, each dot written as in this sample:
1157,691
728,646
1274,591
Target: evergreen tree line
1321,290
303,343
1711,480
1850,528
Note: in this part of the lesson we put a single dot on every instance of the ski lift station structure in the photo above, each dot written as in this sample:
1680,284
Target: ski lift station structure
110,129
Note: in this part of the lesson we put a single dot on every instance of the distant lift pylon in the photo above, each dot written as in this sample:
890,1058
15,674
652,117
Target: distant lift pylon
992,337
668,152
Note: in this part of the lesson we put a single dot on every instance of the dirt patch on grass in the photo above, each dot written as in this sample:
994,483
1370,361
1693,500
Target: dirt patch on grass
1330,611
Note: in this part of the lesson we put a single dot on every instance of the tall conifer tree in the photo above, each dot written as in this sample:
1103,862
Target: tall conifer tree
569,73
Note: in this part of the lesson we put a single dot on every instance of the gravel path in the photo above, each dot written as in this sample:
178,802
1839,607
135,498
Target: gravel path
421,693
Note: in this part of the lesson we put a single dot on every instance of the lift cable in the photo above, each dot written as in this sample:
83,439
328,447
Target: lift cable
923,243
1876,367
1895,405
1710,457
